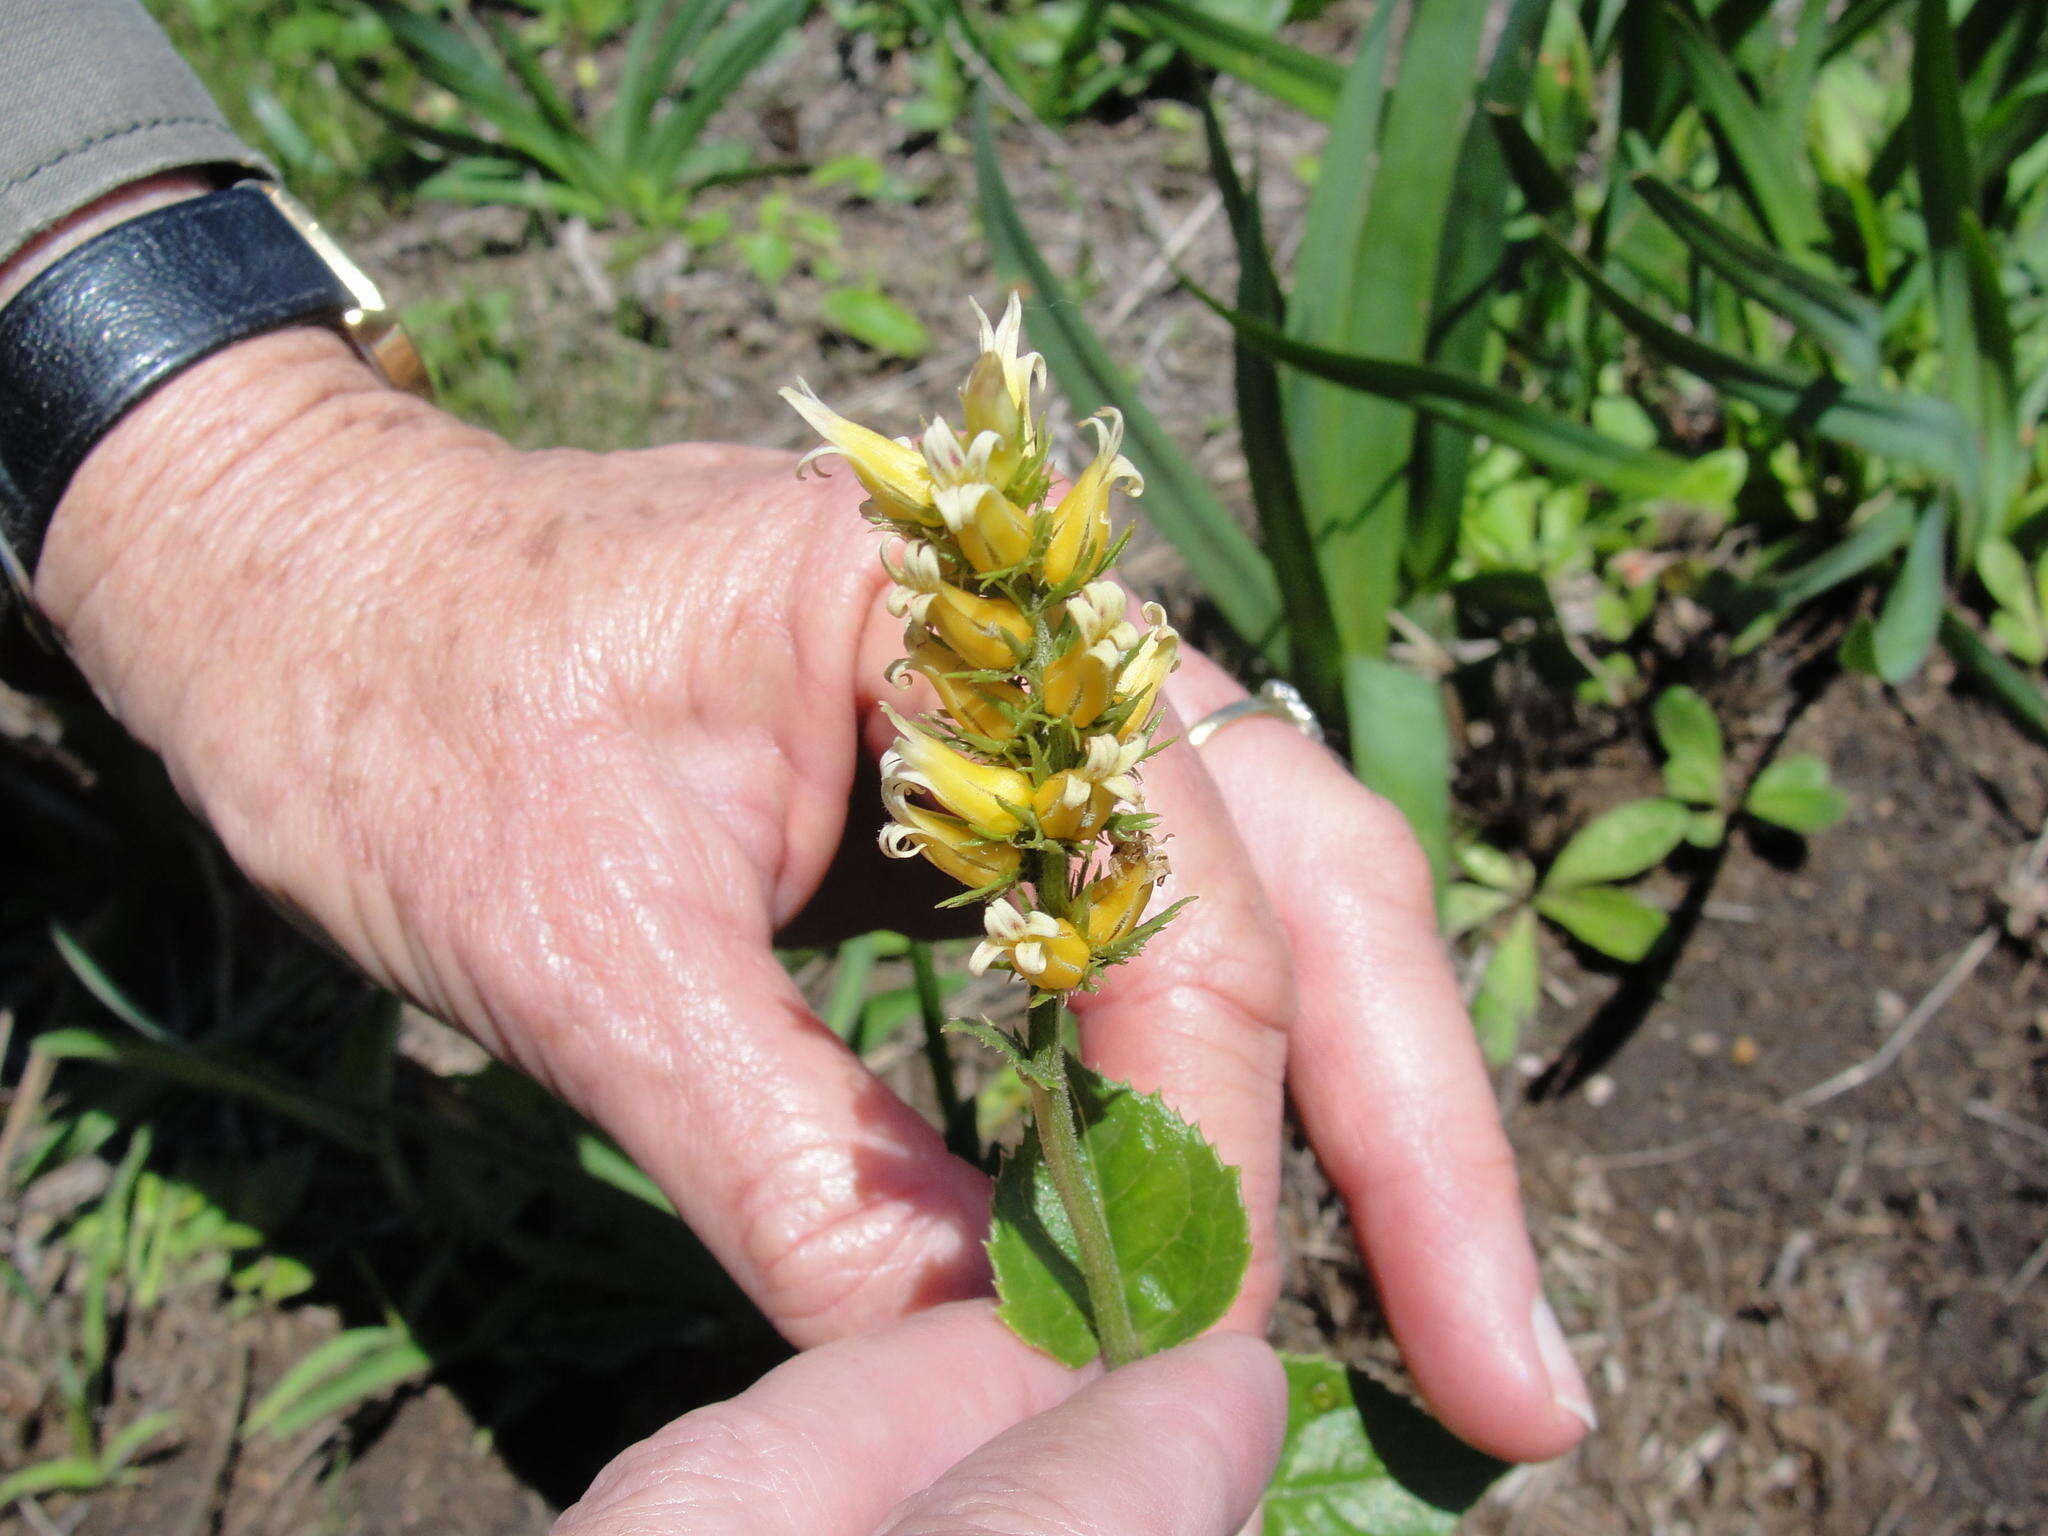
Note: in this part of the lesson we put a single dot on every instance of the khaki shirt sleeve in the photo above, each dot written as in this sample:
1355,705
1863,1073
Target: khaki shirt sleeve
92,97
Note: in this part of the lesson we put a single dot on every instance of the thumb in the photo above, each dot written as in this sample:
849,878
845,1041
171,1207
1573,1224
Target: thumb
1179,1444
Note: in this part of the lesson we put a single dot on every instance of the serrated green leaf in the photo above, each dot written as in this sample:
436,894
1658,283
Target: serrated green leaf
1619,844
1506,999
1176,1220
1616,922
1795,793
1691,738
1359,1461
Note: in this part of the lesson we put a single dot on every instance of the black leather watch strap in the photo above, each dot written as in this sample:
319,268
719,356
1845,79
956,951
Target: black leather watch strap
110,321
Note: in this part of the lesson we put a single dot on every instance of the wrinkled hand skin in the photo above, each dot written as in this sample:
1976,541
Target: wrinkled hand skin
554,743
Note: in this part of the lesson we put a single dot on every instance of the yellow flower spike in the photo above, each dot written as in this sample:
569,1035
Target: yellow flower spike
1047,951
981,794
993,532
948,843
1114,902
988,633
1080,523
976,706
1078,683
894,474
1146,672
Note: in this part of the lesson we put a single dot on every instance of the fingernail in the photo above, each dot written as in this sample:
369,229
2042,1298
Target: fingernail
1567,1385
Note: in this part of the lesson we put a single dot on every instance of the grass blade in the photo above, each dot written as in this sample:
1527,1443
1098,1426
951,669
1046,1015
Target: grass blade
654,52
1352,452
1232,570
1542,188
1401,748
732,54
1283,525
1468,267
1896,645
2018,693
1914,428
1286,73
1844,321
1565,447
1764,165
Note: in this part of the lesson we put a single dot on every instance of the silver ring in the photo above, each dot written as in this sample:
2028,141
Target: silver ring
1283,701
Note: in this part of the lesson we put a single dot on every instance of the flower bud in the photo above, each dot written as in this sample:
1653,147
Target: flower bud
1142,677
988,796
892,473
985,708
1047,951
1080,523
991,407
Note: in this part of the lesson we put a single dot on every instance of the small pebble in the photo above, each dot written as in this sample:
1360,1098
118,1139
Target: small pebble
1704,1043
1743,1052
1599,1089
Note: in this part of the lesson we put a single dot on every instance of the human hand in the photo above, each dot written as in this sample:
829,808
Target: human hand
948,1423
555,743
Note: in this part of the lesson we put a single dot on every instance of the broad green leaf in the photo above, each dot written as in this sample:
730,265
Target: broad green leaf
1262,427
1839,318
2003,570
1563,446
2019,694
1619,844
1176,1220
1763,163
1352,451
1359,1461
874,319
1233,572
1915,428
1693,749
1466,905
1618,923
1907,623
1795,793
1493,867
1401,748
1706,829
1506,999
1303,80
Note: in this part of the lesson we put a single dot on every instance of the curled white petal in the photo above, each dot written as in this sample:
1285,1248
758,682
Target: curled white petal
1028,958
1005,924
898,842
985,955
1042,925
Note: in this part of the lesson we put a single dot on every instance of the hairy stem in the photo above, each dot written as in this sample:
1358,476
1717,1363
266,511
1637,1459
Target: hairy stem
1059,1138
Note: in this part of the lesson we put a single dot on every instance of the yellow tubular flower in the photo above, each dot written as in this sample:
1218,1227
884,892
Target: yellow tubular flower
893,473
994,532
948,843
1078,683
988,709
989,633
1070,807
990,407
979,793
1080,523
1021,371
1115,901
1046,951
1145,673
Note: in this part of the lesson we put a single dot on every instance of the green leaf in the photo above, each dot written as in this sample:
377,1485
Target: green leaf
1284,532
1694,754
1619,844
1373,283
1401,748
1764,165
1493,867
1302,80
1907,623
653,52
1871,541
1506,999
1839,318
1706,829
723,63
2019,694
1176,1220
1915,428
874,319
1465,906
1795,793
1565,447
1359,1461
1233,571
1618,923
1546,193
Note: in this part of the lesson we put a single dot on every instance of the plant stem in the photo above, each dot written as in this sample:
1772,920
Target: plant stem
1060,1141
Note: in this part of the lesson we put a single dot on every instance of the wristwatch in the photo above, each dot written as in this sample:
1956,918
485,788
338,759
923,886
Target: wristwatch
94,333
